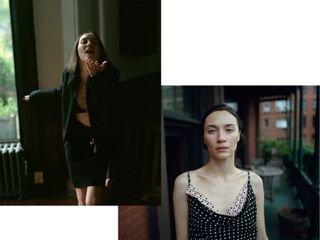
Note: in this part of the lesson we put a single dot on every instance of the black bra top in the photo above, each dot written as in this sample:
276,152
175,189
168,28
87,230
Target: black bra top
78,109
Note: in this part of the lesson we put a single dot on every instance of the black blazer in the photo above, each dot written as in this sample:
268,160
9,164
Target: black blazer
102,94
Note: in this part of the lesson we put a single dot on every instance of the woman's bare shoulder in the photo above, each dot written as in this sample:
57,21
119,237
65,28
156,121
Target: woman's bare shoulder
181,181
256,181
255,178
182,177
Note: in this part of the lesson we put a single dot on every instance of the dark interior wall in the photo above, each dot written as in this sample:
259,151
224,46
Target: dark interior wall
140,98
138,27
136,170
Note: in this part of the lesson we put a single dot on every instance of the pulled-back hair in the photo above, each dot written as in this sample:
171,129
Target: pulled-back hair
73,65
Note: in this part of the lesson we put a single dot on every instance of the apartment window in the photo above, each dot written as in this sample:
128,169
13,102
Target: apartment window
282,106
266,123
178,99
314,104
9,123
281,123
266,106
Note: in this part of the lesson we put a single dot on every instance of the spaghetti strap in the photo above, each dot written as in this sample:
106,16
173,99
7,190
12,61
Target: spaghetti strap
248,176
188,179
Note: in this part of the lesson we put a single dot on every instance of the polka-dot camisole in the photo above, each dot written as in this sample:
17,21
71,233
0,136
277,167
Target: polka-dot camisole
204,222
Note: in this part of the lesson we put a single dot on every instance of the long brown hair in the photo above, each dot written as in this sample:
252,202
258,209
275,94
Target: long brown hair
73,65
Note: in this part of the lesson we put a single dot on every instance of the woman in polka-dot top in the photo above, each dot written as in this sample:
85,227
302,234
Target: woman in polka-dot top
218,200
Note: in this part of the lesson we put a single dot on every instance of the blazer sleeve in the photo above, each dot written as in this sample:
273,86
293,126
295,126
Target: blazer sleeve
45,96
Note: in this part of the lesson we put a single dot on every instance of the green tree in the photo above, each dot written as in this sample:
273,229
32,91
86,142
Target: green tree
266,147
10,109
7,85
7,79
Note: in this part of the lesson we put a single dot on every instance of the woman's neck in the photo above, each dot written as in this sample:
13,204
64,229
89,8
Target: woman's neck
84,75
221,167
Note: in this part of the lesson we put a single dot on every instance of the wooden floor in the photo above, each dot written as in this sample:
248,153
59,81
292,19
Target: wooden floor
41,201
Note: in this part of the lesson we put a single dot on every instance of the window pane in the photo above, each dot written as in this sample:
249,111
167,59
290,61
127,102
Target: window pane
281,123
174,100
8,99
282,106
266,107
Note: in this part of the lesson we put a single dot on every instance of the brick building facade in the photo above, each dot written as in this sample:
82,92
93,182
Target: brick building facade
274,122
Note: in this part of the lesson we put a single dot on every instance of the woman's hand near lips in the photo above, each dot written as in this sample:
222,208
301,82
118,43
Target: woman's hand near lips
94,67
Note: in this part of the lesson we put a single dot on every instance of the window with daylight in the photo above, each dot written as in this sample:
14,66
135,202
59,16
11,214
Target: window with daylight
9,124
282,106
266,106
281,123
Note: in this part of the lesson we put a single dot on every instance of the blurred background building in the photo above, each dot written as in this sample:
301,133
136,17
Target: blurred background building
274,122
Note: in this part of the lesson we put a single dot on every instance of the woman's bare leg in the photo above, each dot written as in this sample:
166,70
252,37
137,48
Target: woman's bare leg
81,195
95,195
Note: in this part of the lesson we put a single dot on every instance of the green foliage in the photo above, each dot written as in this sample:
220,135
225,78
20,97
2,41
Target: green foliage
308,149
5,26
281,149
7,83
266,147
9,109
284,150
6,76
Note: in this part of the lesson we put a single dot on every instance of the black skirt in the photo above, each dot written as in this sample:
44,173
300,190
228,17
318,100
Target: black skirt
87,166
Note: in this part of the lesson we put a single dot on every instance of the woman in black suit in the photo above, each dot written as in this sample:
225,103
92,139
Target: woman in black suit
87,96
